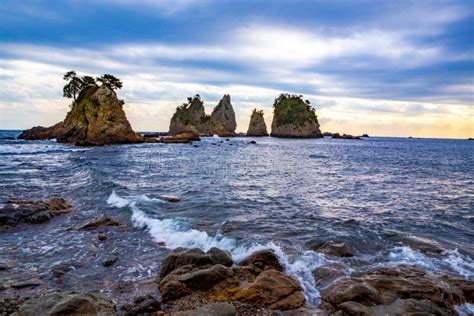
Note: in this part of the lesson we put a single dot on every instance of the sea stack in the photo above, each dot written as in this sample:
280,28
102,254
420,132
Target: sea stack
96,118
257,126
295,118
225,115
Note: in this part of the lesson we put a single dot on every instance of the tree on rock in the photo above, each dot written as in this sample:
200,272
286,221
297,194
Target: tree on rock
88,81
110,81
74,85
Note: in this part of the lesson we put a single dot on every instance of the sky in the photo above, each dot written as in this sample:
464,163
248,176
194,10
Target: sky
386,68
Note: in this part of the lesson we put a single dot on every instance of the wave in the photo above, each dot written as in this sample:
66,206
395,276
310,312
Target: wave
36,149
175,233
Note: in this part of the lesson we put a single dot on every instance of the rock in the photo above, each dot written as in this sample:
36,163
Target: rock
101,237
109,260
213,309
181,138
410,307
327,274
170,198
96,118
384,286
257,126
344,136
99,222
191,118
327,134
8,305
16,212
67,303
354,308
5,265
194,257
252,142
33,282
263,259
365,135
274,289
224,114
142,304
338,249
60,270
292,117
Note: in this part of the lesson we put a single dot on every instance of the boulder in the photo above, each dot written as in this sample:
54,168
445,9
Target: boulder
257,126
294,118
263,259
405,288
67,303
194,257
212,309
224,114
99,222
274,289
338,249
142,304
16,212
96,118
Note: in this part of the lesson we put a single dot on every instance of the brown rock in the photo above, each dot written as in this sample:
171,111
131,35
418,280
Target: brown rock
257,126
263,259
224,114
96,118
327,274
99,222
339,249
274,289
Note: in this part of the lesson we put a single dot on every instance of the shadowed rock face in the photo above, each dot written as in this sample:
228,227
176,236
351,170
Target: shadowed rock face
294,118
96,118
257,126
225,115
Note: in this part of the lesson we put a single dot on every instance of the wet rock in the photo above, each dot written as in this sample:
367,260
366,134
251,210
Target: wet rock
257,126
252,142
293,117
67,303
354,308
410,307
181,138
15,212
263,259
33,282
96,118
220,256
338,249
8,305
101,237
170,198
99,222
274,289
5,265
326,275
142,304
384,286
195,257
109,260
60,270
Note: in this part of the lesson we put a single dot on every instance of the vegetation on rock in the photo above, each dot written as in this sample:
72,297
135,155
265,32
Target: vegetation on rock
257,126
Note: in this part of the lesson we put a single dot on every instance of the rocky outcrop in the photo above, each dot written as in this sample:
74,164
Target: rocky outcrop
224,114
31,212
295,118
67,303
191,118
332,248
397,291
96,118
187,273
344,136
257,126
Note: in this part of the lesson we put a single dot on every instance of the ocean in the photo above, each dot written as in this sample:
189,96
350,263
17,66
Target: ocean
393,200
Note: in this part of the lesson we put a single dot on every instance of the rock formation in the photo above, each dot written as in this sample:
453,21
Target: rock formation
96,118
225,115
400,290
17,212
190,273
192,118
257,126
293,117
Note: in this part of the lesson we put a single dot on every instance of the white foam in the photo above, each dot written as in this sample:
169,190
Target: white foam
460,263
174,233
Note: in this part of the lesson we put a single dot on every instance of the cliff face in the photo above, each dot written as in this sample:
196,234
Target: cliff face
224,114
191,118
96,118
293,117
257,126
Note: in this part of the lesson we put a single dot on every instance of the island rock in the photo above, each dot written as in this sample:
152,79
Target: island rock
257,126
96,118
224,114
295,118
